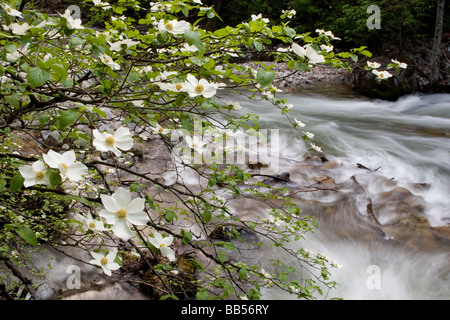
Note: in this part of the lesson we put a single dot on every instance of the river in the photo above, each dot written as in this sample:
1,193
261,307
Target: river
400,248
406,144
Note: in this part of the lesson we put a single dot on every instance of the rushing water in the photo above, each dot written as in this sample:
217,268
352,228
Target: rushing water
402,256
408,141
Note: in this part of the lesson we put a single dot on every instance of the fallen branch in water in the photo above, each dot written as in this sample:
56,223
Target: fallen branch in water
312,190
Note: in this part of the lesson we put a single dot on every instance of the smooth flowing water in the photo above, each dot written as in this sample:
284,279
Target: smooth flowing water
408,141
396,248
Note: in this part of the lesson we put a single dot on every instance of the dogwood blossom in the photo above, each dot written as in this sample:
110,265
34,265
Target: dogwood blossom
173,26
16,55
201,87
327,34
19,29
109,61
308,51
374,65
160,130
399,64
66,164
34,174
299,123
327,48
106,262
236,105
315,147
71,22
121,139
259,17
92,224
118,45
195,143
308,134
163,243
12,12
104,5
382,75
121,210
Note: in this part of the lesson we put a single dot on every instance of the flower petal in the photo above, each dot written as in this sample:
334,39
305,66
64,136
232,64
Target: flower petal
122,230
109,216
68,157
76,171
168,253
138,218
27,172
122,198
125,144
136,205
52,159
122,133
109,203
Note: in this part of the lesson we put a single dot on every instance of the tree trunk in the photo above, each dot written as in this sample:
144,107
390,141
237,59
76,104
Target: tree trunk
436,53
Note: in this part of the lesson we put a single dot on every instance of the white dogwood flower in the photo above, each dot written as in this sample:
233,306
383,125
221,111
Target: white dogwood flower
195,143
382,75
235,104
12,12
299,123
173,26
106,262
66,164
400,64
16,55
34,174
72,23
118,45
315,147
121,139
160,130
109,61
163,243
92,224
201,87
120,210
374,65
308,51
19,29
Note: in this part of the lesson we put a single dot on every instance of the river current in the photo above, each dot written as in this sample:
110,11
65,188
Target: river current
404,148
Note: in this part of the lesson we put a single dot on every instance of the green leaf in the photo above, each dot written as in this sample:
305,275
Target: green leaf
13,102
301,66
187,236
243,273
16,183
68,82
28,235
207,216
265,77
367,53
199,61
192,37
68,117
55,178
289,32
75,41
60,70
37,77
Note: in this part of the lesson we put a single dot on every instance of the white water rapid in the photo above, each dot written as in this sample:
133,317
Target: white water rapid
408,141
